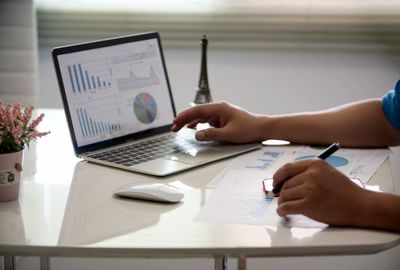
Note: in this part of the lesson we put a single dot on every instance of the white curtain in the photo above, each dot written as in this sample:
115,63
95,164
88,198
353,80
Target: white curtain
18,52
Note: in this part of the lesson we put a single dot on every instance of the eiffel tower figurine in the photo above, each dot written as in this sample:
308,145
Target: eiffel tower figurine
203,94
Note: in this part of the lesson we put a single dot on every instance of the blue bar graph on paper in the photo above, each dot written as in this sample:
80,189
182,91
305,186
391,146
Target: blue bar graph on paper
82,80
272,154
265,164
268,159
90,127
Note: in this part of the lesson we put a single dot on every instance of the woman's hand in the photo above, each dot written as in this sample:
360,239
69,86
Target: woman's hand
317,190
230,123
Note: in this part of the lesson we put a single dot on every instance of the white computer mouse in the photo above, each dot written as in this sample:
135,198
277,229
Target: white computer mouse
150,191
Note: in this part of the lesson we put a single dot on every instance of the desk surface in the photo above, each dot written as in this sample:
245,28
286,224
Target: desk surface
66,208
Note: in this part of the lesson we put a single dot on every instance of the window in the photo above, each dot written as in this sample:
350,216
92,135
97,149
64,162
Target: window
222,6
347,24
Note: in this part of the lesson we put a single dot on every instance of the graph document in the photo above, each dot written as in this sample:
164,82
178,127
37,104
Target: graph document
116,90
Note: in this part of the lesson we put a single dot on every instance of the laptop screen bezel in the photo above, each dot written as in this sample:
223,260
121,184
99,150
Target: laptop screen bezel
79,150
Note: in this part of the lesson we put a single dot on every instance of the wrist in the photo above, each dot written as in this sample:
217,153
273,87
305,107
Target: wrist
361,210
263,127
269,128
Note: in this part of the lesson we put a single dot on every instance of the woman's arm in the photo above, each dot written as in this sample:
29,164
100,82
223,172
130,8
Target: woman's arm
358,124
380,211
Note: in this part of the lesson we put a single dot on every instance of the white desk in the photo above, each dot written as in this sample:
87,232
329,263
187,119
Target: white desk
66,209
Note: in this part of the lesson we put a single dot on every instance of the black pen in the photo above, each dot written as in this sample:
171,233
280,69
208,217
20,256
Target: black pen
324,155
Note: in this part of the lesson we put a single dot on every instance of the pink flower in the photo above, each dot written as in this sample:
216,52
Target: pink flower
17,128
27,114
16,111
9,119
36,122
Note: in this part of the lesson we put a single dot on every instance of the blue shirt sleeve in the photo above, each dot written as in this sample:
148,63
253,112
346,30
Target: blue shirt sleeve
391,105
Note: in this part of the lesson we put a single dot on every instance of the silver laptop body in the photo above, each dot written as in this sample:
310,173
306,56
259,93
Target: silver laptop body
119,107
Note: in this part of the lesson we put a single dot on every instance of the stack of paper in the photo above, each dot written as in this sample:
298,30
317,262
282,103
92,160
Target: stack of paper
239,197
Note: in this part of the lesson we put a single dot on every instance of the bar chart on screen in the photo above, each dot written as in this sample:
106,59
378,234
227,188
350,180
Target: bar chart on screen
90,127
89,76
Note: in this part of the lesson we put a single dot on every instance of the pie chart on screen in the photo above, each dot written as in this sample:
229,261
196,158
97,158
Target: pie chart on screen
145,108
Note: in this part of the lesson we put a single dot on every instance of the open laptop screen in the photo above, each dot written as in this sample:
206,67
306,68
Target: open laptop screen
114,88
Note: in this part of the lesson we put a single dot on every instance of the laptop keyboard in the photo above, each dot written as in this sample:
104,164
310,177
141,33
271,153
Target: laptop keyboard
136,153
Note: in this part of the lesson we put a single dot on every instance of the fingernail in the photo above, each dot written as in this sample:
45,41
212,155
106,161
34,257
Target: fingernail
173,127
200,135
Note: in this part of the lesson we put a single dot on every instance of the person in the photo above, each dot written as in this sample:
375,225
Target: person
339,201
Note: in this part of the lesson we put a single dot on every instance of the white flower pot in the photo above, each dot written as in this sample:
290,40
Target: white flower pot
10,175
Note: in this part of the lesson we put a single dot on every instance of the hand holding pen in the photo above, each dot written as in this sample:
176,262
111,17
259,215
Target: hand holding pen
324,155
319,191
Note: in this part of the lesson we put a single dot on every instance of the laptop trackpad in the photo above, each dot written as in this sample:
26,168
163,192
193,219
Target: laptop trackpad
195,156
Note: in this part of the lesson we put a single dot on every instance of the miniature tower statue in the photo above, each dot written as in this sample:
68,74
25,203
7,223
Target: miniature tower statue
203,94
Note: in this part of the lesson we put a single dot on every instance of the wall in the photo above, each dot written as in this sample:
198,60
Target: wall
266,81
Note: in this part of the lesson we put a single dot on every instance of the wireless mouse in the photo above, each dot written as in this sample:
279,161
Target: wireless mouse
150,191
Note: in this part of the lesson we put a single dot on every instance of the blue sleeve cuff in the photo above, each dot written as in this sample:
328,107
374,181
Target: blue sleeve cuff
391,106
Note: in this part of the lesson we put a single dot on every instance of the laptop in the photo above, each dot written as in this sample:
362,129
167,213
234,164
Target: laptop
119,107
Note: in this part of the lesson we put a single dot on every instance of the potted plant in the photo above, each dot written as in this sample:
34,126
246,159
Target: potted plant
17,130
